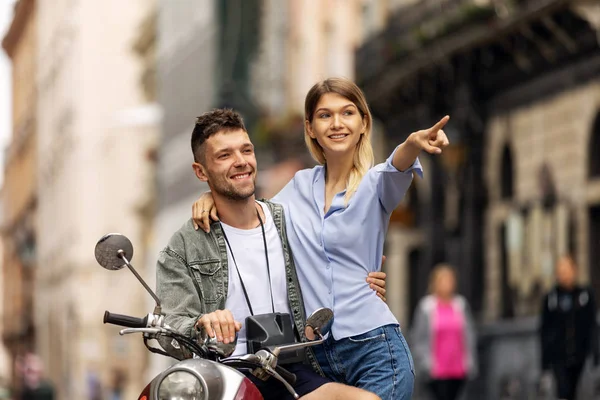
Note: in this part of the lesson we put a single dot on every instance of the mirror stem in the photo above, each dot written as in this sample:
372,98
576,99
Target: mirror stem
157,308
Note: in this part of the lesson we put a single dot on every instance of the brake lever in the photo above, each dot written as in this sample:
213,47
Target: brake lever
154,331
253,358
265,363
276,375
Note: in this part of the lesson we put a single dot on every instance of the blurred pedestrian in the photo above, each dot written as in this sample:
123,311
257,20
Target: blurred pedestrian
4,390
443,337
118,385
568,329
94,385
35,387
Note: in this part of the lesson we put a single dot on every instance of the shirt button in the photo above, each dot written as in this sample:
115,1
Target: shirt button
328,266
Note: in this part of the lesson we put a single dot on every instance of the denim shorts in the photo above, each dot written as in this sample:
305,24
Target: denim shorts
378,361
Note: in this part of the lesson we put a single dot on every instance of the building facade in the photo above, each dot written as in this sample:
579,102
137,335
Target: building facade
547,197
5,359
517,188
19,195
96,140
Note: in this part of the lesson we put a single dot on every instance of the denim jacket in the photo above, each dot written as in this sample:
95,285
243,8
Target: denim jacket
192,277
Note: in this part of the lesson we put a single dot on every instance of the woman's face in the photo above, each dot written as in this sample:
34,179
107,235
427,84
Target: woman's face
337,125
445,284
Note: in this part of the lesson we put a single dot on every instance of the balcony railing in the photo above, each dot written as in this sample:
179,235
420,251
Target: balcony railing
415,26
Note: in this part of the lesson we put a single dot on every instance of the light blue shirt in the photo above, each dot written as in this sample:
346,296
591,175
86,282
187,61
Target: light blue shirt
335,251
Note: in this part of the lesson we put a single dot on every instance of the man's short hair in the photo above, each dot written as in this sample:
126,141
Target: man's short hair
211,122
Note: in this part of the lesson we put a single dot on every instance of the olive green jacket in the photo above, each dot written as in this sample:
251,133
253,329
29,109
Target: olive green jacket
192,277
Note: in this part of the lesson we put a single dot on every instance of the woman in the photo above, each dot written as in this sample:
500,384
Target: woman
443,336
337,214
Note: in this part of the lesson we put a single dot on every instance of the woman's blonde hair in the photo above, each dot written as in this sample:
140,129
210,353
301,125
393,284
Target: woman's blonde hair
363,156
436,272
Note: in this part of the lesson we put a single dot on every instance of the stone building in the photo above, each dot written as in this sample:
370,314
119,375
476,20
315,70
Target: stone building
543,157
19,194
5,358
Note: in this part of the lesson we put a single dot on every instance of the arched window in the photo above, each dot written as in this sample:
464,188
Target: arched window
594,150
594,247
506,178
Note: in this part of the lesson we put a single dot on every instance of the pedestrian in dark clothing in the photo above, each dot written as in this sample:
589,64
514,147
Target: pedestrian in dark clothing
568,331
35,387
42,392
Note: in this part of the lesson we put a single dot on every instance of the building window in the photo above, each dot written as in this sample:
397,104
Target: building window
507,310
507,178
594,248
594,150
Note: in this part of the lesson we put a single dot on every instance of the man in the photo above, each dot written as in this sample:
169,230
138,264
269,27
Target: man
568,329
243,266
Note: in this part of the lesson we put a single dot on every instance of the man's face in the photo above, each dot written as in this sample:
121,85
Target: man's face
566,273
230,165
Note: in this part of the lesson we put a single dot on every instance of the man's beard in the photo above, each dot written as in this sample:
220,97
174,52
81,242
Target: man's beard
225,188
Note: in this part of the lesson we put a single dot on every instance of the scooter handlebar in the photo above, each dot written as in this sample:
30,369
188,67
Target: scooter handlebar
125,320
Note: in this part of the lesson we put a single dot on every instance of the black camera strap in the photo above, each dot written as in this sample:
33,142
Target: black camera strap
266,259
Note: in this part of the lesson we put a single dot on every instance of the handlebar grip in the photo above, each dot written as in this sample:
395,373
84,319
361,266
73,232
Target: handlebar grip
125,320
287,375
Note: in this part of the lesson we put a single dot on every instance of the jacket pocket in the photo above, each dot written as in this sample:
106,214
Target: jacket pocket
210,282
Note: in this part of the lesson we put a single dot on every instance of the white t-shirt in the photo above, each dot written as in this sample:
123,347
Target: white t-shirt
249,253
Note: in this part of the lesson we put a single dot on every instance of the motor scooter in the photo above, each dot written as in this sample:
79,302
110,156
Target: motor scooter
205,369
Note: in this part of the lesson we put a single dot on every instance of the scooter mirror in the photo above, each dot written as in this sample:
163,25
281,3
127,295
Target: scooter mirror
114,251
319,323
107,251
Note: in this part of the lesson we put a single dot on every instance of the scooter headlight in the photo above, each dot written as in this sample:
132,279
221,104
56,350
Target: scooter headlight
181,385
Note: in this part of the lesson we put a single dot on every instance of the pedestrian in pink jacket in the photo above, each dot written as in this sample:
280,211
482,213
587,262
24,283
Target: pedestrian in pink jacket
443,337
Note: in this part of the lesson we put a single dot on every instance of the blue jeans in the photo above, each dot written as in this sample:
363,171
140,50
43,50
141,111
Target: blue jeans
378,361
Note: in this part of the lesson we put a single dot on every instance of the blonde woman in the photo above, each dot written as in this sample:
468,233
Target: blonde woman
337,215
443,336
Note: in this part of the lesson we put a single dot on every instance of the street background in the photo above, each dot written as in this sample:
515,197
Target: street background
96,119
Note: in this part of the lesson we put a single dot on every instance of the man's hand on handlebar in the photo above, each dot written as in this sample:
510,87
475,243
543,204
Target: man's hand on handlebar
221,324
